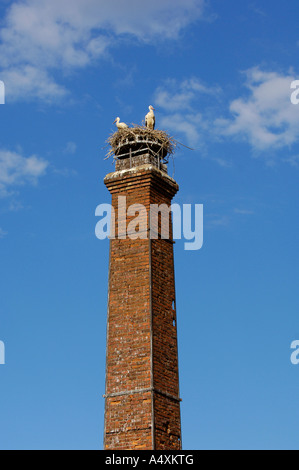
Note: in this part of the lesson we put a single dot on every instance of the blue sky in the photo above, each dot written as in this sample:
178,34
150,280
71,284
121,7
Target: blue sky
219,75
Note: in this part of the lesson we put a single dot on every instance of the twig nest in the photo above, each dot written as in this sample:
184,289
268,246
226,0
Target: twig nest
141,138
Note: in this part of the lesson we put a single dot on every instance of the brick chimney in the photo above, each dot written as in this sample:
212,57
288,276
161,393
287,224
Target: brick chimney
142,402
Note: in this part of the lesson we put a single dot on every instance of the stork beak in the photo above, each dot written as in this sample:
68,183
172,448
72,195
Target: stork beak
114,122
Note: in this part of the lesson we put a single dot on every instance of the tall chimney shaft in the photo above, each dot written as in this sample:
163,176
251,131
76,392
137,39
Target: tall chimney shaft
142,403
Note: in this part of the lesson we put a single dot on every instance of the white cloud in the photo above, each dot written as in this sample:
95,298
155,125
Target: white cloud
29,82
293,160
189,124
41,36
183,108
265,118
175,96
16,170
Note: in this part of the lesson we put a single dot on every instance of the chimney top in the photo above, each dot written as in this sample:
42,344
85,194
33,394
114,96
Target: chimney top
138,145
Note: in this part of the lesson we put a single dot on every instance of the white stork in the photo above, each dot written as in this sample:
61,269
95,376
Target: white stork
120,125
150,119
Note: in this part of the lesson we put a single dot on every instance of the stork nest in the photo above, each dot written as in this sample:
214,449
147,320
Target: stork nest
164,144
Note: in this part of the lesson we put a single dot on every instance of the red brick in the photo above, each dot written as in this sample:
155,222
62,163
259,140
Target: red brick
142,408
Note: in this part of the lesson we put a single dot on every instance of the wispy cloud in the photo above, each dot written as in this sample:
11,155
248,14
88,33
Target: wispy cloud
16,170
293,160
39,37
28,82
244,211
182,106
190,125
257,10
70,148
223,162
265,117
2,233
180,96
217,221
